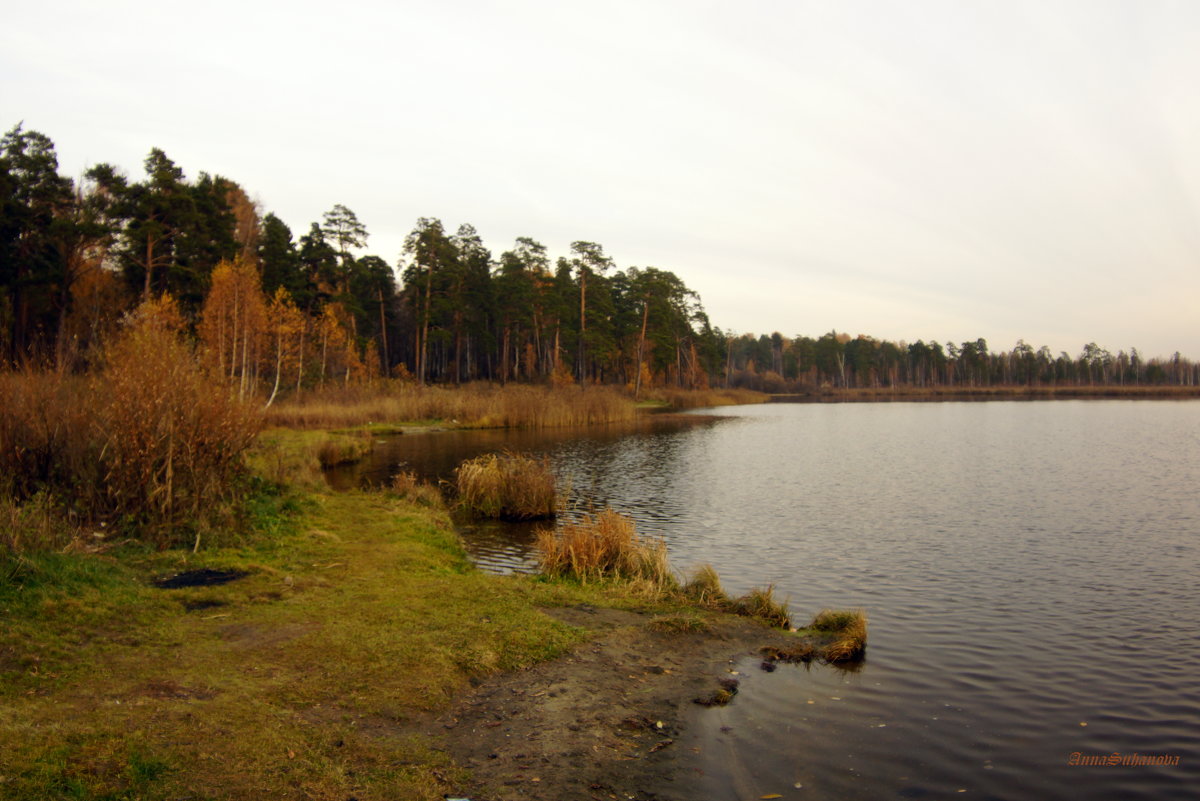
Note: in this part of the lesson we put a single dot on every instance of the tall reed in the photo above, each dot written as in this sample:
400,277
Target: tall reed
478,405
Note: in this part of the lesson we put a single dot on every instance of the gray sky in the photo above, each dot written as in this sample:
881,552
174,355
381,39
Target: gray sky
910,170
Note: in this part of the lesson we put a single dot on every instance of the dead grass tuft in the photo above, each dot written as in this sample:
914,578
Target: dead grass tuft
607,546
407,485
833,636
704,589
507,486
847,630
760,603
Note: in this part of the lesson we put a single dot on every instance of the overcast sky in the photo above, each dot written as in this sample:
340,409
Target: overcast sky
910,170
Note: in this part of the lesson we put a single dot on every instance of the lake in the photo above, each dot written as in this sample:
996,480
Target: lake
1029,570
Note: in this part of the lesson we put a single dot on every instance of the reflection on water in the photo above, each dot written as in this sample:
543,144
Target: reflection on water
1027,567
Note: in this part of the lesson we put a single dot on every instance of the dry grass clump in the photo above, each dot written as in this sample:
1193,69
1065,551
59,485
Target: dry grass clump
847,629
833,636
760,603
507,486
704,589
726,689
478,405
407,485
343,449
606,546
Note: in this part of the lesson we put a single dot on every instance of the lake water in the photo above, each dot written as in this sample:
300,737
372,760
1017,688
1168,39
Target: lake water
1029,570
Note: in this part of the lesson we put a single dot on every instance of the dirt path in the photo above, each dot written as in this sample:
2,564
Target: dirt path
602,722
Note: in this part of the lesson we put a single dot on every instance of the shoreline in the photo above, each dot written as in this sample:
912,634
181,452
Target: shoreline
322,662
606,720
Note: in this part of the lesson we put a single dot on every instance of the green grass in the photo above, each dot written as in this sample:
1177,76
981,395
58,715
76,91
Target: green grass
359,615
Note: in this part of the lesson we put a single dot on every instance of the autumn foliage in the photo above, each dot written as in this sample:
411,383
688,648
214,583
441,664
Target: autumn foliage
149,442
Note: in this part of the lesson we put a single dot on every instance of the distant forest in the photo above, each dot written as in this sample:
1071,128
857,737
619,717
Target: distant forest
279,314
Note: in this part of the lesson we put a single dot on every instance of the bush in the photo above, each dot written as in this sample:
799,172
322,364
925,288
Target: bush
150,440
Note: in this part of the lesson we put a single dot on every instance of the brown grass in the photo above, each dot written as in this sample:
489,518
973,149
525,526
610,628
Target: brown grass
606,546
507,486
478,405
407,485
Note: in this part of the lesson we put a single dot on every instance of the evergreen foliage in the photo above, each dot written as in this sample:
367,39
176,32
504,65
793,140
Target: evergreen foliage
74,259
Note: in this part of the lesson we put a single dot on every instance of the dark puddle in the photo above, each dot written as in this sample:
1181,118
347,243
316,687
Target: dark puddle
205,577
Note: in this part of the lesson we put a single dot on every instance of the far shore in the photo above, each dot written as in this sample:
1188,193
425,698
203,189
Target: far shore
1011,392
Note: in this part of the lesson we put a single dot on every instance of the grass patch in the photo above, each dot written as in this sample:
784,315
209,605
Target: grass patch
682,623
704,589
847,630
507,486
358,616
702,398
833,636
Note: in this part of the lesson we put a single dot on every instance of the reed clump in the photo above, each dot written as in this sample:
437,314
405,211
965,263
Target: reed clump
606,545
846,631
507,486
704,589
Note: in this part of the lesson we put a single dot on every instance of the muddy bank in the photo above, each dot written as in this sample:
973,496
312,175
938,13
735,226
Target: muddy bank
603,722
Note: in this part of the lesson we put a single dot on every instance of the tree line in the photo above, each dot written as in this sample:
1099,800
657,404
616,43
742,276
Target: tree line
780,364
279,313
